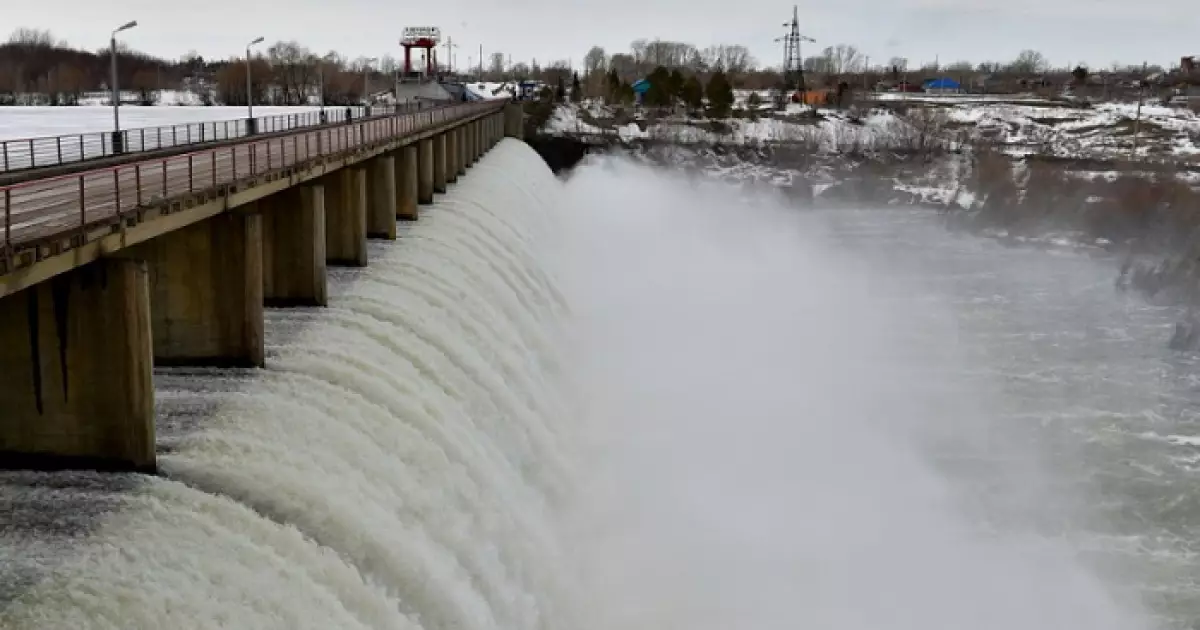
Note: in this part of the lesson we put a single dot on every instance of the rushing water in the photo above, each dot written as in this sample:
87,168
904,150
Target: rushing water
641,401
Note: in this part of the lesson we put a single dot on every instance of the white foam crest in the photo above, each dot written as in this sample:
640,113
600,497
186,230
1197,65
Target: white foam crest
178,558
758,421
411,426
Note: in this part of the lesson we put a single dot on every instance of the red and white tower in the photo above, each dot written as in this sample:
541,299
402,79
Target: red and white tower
423,37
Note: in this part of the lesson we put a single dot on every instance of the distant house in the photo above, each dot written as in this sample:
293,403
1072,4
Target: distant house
942,85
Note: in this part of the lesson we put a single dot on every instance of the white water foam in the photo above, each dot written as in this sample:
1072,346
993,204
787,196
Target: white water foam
409,435
763,415
744,442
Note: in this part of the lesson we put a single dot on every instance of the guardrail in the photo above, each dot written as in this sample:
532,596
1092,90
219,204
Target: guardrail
45,212
29,153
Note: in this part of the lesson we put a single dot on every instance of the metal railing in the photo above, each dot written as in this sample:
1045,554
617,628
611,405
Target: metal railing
76,205
30,153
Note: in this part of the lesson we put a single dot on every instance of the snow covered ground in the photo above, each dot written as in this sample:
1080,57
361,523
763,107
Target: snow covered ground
828,131
36,122
1102,131
1016,126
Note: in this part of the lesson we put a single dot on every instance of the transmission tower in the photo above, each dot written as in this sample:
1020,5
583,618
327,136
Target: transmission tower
793,62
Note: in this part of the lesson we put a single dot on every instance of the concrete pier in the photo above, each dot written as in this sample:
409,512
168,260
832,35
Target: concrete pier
472,144
425,171
451,140
406,183
206,292
77,390
382,198
439,163
346,217
464,160
294,272
514,121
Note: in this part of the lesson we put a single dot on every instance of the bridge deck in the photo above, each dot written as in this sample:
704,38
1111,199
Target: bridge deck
72,207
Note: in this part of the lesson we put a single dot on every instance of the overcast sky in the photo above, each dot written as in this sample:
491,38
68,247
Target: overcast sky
1094,31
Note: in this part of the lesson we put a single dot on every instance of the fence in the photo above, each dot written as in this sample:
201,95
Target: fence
29,153
66,206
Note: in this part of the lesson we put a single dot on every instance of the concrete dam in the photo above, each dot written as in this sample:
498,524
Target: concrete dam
375,450
392,373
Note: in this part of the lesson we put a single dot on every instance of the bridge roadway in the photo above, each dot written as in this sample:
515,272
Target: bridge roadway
44,217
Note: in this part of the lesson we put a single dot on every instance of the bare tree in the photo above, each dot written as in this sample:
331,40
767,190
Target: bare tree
595,61
32,37
1029,62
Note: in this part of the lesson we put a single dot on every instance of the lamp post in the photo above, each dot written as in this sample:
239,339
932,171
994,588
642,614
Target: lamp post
117,145
367,79
250,126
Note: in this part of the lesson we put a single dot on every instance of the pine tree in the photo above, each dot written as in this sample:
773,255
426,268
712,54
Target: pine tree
614,86
560,92
692,93
720,95
576,88
675,86
660,81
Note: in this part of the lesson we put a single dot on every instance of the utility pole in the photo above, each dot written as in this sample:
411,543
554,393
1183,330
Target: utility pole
481,62
250,90
1137,120
117,145
793,61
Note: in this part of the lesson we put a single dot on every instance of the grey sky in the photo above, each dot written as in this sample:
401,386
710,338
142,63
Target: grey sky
1096,31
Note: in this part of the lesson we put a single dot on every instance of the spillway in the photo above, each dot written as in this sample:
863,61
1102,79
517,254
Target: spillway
392,468
652,402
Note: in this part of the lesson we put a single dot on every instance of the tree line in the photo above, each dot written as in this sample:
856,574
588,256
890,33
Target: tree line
38,69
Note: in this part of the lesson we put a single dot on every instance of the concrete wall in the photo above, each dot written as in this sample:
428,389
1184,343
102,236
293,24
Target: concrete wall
77,351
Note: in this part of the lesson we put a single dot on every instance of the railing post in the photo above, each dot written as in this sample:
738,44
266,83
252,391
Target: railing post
191,171
164,177
137,180
32,155
8,230
117,191
213,154
82,204
58,143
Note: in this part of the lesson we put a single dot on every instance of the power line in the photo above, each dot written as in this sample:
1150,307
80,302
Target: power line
793,61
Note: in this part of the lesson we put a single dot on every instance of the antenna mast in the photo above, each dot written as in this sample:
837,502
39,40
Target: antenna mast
793,61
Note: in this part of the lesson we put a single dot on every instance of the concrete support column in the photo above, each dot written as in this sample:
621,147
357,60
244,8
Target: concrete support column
451,140
476,145
206,292
346,217
382,198
294,247
439,163
406,183
464,159
425,171
76,356
514,121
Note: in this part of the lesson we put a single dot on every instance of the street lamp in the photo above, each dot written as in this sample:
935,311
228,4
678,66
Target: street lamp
249,90
117,145
367,79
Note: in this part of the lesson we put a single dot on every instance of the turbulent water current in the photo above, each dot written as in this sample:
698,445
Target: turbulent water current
643,401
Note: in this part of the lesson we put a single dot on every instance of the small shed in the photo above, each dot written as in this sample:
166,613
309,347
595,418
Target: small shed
943,85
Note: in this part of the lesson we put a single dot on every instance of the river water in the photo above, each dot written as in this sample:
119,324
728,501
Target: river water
637,400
